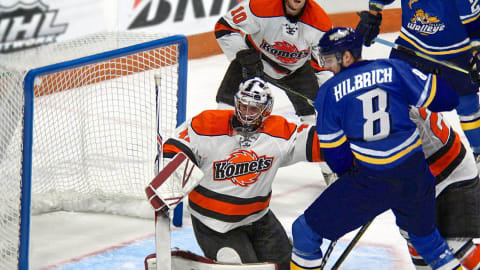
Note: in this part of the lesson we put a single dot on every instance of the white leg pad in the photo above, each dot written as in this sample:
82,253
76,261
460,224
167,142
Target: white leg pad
228,255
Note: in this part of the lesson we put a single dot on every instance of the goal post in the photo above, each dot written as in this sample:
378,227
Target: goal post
78,128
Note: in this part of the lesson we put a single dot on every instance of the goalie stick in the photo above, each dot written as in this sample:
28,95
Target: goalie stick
419,54
164,192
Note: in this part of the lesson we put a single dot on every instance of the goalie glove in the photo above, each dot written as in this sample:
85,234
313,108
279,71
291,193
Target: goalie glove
175,181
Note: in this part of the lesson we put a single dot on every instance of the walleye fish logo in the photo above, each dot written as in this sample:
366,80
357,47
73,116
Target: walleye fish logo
425,24
285,52
242,167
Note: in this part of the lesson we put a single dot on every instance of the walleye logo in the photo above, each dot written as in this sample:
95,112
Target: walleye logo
284,51
242,167
425,24
28,24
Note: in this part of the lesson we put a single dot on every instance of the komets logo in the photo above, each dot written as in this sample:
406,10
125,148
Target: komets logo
242,167
28,24
284,51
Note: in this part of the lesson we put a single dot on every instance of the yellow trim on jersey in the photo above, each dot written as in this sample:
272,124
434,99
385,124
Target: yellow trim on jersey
382,161
296,267
471,19
433,91
467,47
334,144
471,125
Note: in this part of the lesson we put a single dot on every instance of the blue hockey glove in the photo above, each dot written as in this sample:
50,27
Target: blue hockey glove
251,62
474,64
369,26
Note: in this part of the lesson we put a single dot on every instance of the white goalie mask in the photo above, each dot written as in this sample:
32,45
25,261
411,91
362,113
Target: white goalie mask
253,102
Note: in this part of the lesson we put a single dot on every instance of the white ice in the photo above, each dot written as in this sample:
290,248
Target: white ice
64,237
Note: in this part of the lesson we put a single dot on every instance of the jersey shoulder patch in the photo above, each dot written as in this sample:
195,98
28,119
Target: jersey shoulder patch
315,16
267,8
212,122
277,126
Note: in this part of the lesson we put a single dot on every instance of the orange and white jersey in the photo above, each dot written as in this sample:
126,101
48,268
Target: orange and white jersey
262,24
449,160
238,171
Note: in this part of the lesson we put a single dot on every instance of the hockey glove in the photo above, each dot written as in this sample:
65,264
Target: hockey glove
251,62
369,26
474,64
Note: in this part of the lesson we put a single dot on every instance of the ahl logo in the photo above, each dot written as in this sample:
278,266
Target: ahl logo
242,167
284,51
27,25
425,24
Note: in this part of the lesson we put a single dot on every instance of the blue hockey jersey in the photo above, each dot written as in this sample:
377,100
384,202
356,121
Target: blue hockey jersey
432,27
364,111
469,11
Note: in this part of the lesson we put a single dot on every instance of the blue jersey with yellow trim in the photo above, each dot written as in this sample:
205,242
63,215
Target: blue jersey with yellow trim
432,27
469,11
367,106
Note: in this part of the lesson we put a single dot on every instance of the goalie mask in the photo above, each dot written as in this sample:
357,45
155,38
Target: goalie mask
253,103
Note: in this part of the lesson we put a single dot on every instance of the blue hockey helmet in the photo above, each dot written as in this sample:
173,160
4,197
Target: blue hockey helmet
340,39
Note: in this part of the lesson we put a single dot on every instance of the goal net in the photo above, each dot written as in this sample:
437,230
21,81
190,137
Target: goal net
79,128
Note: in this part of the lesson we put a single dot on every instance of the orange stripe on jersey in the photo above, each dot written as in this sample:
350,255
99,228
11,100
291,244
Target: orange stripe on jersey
222,27
315,65
168,148
277,126
227,208
443,162
212,122
313,15
267,8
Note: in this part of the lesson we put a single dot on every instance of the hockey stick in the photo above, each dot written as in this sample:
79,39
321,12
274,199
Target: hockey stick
327,254
351,245
287,89
162,222
421,55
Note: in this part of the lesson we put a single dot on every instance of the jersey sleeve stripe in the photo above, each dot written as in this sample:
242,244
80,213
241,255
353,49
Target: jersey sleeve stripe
222,28
314,154
333,144
383,161
175,146
470,125
433,91
445,160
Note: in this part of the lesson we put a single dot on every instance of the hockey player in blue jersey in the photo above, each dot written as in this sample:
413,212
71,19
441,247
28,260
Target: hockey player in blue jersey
447,30
368,139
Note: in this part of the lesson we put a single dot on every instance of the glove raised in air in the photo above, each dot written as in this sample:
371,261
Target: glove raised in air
369,26
251,62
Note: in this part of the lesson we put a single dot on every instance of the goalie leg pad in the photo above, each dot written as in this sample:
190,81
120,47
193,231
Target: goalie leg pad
228,255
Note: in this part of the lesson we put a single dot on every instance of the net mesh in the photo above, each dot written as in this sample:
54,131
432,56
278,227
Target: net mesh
94,131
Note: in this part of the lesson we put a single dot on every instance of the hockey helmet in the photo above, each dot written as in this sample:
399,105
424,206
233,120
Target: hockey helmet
253,102
340,39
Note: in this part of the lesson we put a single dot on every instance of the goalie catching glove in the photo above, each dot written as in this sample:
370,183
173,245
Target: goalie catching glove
175,181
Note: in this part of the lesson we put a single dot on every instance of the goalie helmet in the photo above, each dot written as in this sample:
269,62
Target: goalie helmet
339,40
253,102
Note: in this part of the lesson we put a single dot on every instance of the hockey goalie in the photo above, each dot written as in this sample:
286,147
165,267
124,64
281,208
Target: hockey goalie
164,192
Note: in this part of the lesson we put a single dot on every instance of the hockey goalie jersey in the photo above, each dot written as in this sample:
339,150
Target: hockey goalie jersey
238,170
286,44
